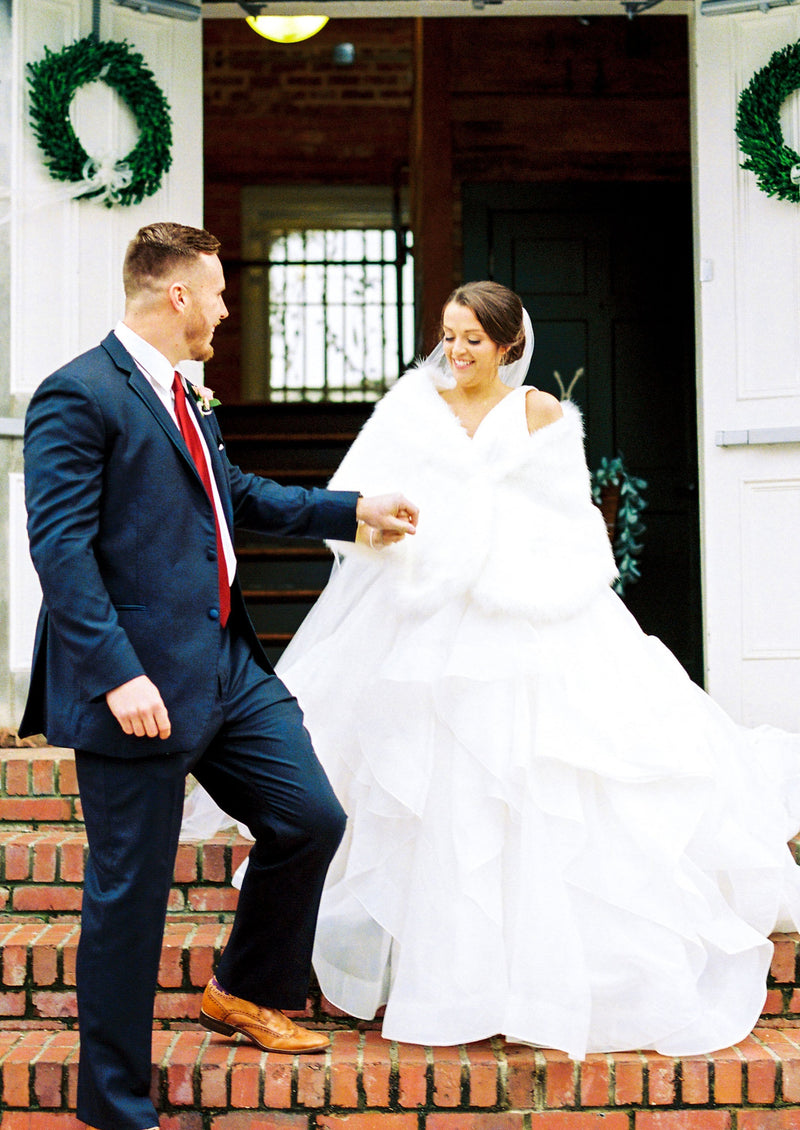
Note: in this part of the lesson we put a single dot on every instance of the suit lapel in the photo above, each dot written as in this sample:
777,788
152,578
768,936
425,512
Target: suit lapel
139,385
217,467
142,388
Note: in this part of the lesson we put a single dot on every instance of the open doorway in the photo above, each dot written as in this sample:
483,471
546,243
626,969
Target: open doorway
551,133
606,274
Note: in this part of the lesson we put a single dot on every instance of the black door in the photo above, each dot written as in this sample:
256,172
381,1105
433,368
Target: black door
606,275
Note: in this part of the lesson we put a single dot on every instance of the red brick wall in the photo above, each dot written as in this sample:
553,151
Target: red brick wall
286,113
554,99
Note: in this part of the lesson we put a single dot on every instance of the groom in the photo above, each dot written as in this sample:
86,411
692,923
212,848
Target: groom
147,663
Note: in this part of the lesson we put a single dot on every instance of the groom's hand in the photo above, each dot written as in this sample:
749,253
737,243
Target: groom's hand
139,708
391,516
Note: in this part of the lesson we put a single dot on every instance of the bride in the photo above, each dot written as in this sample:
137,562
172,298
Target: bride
553,833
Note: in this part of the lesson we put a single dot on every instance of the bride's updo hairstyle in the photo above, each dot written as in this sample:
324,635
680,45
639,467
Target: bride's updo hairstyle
499,311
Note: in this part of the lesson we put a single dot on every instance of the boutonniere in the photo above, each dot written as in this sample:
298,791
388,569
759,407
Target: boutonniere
205,398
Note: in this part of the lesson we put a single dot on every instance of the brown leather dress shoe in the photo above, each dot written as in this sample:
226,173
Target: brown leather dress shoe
268,1028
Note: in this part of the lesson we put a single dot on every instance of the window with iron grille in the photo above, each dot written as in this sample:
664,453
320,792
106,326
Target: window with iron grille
340,314
328,306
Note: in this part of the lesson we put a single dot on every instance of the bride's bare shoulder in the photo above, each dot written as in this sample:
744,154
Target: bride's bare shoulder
541,409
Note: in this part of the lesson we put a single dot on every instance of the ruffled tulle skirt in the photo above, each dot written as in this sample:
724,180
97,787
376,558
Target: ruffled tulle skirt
553,834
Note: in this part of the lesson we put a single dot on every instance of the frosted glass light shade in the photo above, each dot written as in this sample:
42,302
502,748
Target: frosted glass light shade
287,29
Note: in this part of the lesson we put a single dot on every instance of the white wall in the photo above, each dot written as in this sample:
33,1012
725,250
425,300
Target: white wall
66,256
748,330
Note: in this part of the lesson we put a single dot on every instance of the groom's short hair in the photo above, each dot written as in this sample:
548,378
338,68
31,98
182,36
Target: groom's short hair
157,249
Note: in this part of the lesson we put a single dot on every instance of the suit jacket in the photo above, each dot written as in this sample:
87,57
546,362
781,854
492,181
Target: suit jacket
122,536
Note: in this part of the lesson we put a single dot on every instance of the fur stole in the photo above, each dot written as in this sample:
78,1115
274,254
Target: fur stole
506,517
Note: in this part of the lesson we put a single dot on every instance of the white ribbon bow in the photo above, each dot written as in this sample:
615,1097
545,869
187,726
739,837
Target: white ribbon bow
107,175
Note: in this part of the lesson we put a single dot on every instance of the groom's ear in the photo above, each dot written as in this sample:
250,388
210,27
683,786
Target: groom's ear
177,294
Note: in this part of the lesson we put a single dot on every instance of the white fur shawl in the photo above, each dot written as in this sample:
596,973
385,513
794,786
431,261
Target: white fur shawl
506,518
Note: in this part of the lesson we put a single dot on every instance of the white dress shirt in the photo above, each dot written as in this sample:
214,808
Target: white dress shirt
158,372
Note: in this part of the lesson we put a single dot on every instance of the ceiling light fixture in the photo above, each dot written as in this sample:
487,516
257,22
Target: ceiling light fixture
287,29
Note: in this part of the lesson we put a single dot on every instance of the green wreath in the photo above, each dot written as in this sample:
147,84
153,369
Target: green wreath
53,82
758,125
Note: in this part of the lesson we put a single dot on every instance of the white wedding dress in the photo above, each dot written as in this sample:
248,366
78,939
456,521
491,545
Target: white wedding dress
553,833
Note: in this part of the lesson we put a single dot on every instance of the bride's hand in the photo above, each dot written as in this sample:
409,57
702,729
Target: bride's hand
375,539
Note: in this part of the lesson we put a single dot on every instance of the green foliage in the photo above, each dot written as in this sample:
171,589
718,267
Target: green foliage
758,125
53,82
629,526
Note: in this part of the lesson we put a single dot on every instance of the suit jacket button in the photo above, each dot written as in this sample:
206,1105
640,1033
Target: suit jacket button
213,614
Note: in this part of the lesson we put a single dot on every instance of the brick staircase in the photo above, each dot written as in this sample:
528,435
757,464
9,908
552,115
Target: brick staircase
207,1082
299,444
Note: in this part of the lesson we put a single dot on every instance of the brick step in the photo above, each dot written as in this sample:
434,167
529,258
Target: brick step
38,785
37,974
202,1081
37,971
41,872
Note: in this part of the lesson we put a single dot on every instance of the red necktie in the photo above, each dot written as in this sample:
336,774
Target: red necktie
189,433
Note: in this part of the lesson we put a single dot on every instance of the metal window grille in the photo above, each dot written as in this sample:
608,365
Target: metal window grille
341,315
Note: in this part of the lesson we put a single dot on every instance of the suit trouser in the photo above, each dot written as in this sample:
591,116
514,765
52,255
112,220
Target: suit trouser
257,762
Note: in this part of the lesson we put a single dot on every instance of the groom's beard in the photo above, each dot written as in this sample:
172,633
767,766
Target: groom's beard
198,339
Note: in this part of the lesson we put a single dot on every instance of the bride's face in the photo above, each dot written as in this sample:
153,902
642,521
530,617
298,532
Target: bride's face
473,357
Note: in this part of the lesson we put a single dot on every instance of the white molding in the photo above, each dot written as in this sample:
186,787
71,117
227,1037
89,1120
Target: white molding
754,437
395,9
770,528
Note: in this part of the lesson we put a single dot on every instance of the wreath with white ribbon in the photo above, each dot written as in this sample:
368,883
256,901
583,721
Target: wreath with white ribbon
758,125
53,82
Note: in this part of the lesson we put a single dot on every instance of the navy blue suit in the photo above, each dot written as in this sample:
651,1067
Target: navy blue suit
122,536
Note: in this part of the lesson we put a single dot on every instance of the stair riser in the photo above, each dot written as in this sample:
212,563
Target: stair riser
196,903
341,419
205,1082
38,786
58,857
37,973
41,875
